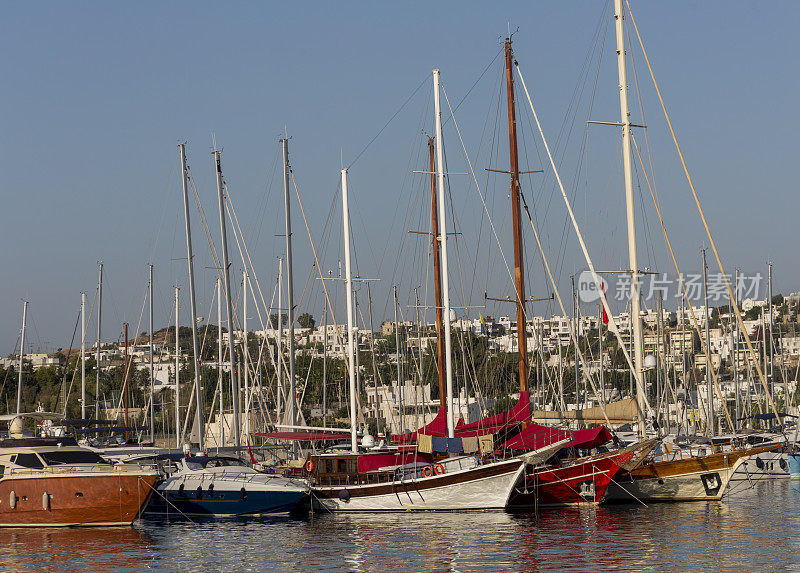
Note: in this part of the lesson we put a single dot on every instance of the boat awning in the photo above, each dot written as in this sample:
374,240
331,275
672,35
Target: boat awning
436,427
305,436
521,412
535,436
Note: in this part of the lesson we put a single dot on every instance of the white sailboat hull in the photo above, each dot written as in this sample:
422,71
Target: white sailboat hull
486,487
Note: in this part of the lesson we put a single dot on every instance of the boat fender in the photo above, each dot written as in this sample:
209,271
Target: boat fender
310,466
759,463
181,491
45,501
427,471
344,496
783,464
12,500
243,494
439,469
477,460
211,490
199,492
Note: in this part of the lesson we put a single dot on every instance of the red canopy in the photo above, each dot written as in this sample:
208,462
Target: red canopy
377,460
535,436
436,427
521,412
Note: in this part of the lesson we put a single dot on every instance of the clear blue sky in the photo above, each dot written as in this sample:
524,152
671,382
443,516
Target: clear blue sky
96,96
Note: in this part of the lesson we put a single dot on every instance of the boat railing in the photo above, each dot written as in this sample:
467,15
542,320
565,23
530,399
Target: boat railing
73,469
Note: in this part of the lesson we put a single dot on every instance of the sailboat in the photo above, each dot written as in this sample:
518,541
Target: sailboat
403,479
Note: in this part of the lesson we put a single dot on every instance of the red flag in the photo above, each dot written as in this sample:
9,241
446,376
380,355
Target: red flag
603,288
249,451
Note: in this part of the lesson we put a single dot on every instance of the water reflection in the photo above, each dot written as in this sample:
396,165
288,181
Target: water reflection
79,549
754,529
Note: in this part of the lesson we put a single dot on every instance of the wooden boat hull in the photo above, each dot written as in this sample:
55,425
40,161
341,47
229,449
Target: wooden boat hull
485,487
74,500
695,479
582,481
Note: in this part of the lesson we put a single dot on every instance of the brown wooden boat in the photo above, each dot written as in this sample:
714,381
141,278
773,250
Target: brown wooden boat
47,482
690,478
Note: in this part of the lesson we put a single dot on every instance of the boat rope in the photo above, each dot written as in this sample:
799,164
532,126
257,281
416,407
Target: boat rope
724,276
165,499
626,491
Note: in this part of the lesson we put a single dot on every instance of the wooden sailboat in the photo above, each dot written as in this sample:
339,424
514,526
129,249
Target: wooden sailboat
403,479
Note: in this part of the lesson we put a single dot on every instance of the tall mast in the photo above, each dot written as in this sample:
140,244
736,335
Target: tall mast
325,364
245,355
770,340
519,274
177,376
625,119
448,359
228,303
372,354
710,390
198,394
21,356
219,365
291,402
734,344
400,383
152,382
437,278
279,347
97,359
351,364
83,355
125,378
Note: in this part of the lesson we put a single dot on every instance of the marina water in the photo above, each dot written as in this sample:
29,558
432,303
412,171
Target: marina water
752,529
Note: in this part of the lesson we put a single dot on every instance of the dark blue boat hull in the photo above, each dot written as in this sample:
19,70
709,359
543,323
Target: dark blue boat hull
223,503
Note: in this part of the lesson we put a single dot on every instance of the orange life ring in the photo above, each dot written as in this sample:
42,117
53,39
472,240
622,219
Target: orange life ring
310,466
439,469
427,471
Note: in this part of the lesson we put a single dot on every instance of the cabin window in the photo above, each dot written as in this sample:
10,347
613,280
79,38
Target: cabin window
74,457
2,470
29,461
342,466
328,466
352,466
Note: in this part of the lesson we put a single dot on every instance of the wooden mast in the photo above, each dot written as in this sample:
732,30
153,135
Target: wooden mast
437,279
519,276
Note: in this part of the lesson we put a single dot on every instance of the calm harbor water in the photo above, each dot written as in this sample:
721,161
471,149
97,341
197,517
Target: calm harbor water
753,529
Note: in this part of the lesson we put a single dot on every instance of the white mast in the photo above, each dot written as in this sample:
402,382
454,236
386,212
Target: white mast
152,382
443,241
219,365
83,355
278,344
636,319
97,360
229,304
246,355
291,400
177,377
351,364
21,356
198,394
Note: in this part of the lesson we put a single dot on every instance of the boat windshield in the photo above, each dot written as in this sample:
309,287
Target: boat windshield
71,457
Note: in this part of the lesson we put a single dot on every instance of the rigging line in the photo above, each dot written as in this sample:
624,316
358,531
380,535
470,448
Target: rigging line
612,322
130,361
574,336
702,215
154,243
394,115
703,342
204,222
477,187
316,260
64,379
